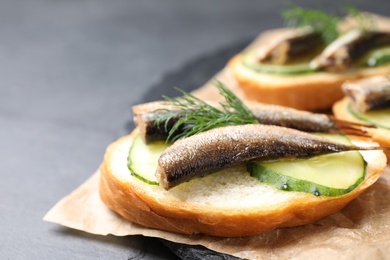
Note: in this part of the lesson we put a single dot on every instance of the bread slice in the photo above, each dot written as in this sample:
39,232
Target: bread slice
379,135
310,91
229,203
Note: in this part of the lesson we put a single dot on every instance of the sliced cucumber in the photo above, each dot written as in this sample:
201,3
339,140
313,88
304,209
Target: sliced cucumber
328,175
378,57
142,160
379,117
249,61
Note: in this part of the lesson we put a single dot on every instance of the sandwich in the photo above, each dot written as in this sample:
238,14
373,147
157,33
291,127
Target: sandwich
367,101
228,170
305,65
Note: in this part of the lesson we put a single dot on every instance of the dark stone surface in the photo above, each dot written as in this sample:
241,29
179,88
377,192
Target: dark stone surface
70,72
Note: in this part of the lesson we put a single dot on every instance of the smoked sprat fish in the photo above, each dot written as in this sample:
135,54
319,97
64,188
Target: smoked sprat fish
288,45
340,54
369,94
230,146
146,116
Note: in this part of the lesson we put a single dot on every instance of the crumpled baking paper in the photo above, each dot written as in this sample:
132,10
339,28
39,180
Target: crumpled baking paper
360,230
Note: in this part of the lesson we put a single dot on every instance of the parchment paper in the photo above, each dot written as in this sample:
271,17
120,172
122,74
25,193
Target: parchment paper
360,230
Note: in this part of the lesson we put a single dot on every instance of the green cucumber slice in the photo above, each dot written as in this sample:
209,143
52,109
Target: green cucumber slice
379,117
378,57
142,160
328,175
248,60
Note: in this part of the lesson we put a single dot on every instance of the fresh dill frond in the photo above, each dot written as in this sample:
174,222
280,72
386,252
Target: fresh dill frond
363,20
197,116
320,21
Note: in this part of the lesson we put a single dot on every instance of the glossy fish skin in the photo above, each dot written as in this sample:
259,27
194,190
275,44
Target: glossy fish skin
229,146
150,131
369,94
289,45
339,55
146,115
292,118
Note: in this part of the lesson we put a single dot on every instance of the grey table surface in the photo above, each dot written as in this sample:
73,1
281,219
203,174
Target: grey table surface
70,72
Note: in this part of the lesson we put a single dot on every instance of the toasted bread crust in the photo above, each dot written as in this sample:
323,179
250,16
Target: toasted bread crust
313,91
154,207
382,136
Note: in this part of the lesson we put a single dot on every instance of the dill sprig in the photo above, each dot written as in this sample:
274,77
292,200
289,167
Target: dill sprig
198,116
364,21
322,22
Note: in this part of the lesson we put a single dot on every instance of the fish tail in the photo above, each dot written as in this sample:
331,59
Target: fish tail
370,148
351,128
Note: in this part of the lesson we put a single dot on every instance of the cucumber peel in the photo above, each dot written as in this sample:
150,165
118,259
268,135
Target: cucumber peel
378,57
143,159
248,60
378,117
327,175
